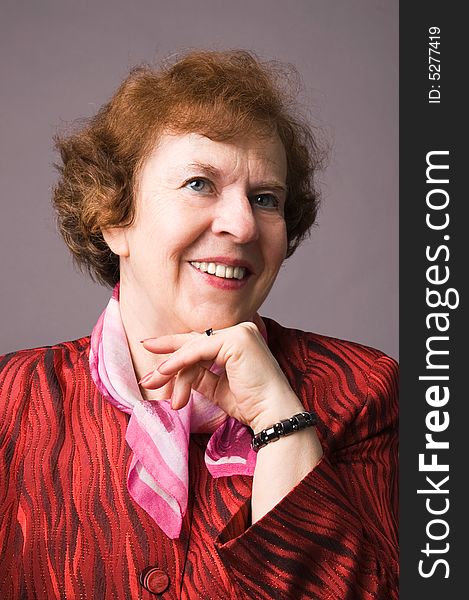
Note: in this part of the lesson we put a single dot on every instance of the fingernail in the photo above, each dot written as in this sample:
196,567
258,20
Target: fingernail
146,378
147,339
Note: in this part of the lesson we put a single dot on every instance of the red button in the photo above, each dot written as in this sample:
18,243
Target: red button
154,580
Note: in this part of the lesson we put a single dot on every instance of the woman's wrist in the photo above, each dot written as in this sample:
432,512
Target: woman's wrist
280,407
280,466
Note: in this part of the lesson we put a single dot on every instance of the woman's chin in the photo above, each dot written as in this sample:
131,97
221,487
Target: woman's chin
217,321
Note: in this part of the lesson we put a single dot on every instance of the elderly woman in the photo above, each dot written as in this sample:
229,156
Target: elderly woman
190,448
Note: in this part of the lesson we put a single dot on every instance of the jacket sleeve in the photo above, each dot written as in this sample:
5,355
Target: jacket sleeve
334,536
14,407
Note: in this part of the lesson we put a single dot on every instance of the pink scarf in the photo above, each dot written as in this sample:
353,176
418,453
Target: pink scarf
159,436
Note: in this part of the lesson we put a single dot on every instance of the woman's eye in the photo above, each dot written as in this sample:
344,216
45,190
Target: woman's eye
266,201
197,185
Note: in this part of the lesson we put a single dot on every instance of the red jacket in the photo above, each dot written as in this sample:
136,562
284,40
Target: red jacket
69,529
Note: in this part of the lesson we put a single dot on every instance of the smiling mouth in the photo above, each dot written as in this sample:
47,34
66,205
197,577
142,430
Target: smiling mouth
220,270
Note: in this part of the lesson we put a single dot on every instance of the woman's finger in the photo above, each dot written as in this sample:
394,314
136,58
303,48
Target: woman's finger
154,380
168,343
203,348
194,378
209,385
198,350
183,386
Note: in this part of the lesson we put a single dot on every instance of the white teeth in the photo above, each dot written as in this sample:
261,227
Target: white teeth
220,271
223,271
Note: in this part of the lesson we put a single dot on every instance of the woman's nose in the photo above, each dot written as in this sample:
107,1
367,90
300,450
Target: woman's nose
235,216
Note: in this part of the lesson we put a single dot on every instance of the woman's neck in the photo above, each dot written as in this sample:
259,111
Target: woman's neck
141,321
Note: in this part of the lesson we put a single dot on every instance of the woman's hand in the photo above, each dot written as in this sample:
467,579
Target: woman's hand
252,388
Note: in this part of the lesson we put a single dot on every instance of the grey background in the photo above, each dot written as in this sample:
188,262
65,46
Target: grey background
60,60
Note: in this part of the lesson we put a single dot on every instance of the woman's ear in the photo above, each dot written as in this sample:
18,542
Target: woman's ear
116,239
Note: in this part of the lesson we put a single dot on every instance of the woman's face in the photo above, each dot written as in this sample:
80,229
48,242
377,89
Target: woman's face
209,234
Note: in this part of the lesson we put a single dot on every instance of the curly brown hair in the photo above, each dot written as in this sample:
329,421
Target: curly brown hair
221,95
